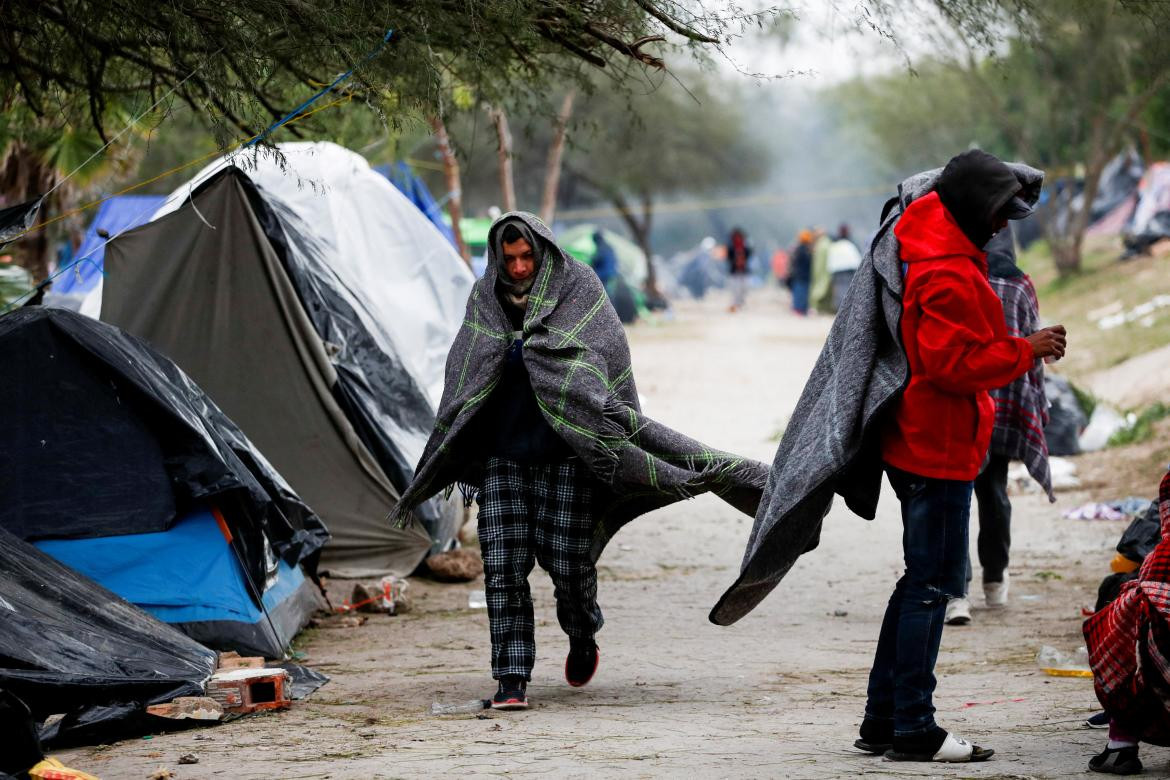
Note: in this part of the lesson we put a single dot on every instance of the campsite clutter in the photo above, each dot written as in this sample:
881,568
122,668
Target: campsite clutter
151,554
343,296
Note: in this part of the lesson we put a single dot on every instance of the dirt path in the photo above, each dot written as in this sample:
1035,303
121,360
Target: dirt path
777,695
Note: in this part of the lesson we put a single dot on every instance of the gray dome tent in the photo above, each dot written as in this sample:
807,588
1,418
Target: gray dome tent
240,291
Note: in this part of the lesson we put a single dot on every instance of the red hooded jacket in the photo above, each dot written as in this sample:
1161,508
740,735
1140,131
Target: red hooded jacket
958,347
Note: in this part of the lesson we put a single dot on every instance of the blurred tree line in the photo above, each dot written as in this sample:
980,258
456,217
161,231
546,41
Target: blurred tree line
1065,88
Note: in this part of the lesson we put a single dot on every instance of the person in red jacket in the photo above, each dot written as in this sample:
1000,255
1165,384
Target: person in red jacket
937,437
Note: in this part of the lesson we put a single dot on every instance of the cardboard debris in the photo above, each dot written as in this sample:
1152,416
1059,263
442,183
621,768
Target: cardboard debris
188,708
233,660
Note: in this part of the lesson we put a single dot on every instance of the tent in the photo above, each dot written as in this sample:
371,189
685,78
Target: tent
115,215
410,284
288,298
1150,221
578,241
401,176
118,465
69,646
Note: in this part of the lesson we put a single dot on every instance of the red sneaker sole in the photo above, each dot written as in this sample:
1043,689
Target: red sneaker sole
583,683
510,704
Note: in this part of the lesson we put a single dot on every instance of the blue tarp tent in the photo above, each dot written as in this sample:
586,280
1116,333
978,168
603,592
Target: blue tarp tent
188,575
116,464
413,188
119,213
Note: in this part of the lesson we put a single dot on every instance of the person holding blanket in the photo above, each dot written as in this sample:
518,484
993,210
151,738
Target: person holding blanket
540,418
902,386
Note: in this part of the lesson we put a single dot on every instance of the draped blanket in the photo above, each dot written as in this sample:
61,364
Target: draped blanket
1129,643
831,443
578,362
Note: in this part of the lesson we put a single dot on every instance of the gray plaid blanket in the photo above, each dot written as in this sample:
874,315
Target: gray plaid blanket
578,362
831,443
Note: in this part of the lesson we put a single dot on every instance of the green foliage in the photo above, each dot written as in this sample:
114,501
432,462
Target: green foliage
244,63
1055,92
1142,428
1085,399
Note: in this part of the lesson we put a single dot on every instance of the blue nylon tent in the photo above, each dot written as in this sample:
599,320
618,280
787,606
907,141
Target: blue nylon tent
189,576
402,177
119,213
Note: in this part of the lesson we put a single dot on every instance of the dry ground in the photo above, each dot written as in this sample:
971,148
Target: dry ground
777,695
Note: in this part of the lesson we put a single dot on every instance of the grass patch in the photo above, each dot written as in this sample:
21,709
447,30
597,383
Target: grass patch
1102,285
1142,428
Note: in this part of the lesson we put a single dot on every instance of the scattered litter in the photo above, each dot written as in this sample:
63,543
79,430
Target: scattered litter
188,708
994,701
1105,422
1143,314
460,708
1057,663
1030,597
1066,416
52,769
1064,477
625,548
1064,473
233,660
250,690
188,758
1094,511
476,599
840,613
1125,509
162,773
388,598
459,565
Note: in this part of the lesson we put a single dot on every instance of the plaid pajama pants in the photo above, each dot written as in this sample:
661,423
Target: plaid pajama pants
538,513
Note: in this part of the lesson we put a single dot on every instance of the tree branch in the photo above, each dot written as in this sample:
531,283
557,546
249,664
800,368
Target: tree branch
649,7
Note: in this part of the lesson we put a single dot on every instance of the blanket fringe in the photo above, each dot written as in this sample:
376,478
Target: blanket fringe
603,458
470,494
401,516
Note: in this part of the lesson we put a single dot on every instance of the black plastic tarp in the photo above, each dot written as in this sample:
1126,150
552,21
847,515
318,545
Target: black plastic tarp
1066,418
105,436
69,646
1142,535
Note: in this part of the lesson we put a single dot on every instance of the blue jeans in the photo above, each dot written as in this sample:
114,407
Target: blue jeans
800,296
935,518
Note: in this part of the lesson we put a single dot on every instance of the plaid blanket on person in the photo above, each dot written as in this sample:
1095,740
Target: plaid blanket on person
1129,644
1021,408
579,366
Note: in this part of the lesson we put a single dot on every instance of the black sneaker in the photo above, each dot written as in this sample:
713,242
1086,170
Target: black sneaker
876,735
1117,761
511,694
1098,721
582,661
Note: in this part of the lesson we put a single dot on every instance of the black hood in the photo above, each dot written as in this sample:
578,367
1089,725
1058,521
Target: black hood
974,186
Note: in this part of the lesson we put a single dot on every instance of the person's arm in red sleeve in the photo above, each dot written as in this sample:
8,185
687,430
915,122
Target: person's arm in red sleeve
959,354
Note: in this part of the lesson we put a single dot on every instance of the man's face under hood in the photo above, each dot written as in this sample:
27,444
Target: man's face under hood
974,187
519,259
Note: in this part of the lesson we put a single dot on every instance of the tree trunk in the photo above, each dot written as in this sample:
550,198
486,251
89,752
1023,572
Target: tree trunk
25,176
504,157
552,170
640,229
1067,248
454,187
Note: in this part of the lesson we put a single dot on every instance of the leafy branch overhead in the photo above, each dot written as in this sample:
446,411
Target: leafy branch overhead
245,63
